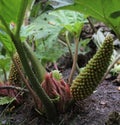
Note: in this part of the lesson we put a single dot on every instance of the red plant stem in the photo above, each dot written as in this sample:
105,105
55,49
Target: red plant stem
74,61
13,87
37,100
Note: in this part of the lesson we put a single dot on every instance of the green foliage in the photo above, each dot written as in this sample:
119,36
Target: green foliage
46,29
12,14
57,75
38,8
107,11
14,34
37,67
11,19
115,69
70,21
4,62
7,42
4,67
5,59
52,23
6,100
48,51
83,47
41,27
86,82
35,10
45,34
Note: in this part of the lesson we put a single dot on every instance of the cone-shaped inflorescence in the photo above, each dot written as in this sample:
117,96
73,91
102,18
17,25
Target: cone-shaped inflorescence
86,82
14,77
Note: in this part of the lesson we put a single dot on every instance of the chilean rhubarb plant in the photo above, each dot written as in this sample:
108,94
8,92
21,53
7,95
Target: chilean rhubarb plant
51,93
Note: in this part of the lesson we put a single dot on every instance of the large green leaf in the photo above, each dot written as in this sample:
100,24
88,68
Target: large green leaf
7,42
70,20
4,61
41,27
46,29
107,11
11,18
9,10
12,12
6,100
52,23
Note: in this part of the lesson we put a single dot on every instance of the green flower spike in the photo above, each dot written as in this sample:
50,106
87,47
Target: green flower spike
14,77
86,82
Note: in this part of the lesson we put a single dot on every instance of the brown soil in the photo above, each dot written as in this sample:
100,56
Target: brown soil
94,110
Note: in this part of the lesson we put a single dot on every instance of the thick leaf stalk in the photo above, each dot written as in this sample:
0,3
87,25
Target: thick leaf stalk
38,69
86,82
48,104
